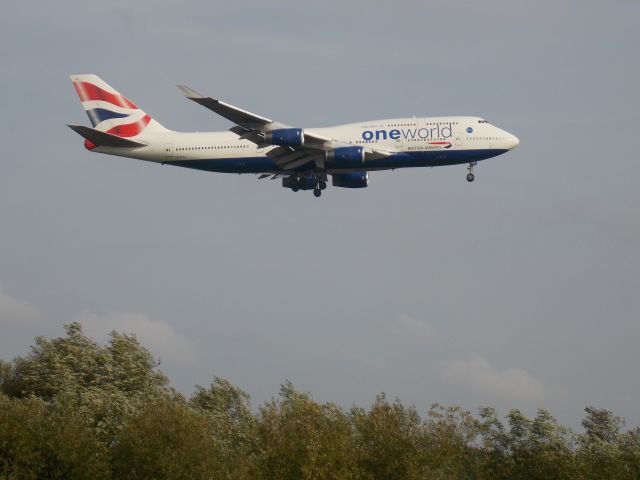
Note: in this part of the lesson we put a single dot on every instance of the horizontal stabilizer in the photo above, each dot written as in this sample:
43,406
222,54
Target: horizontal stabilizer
103,139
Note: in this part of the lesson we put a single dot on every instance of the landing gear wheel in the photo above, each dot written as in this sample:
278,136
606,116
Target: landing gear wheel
317,192
295,188
322,184
470,176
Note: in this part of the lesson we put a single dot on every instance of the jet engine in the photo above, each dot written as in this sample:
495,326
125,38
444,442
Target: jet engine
346,157
351,180
285,137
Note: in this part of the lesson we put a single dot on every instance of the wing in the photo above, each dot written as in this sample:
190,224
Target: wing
255,128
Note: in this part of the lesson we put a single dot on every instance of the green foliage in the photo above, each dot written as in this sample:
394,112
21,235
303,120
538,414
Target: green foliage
75,409
77,363
298,438
167,439
40,441
230,421
225,402
103,384
539,448
388,436
604,450
601,426
450,434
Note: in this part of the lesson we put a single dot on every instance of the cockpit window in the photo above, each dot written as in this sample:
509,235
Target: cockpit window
482,121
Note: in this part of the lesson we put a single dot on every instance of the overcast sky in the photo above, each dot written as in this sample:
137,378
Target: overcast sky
519,290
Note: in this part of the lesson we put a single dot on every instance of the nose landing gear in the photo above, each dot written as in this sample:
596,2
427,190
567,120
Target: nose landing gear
470,176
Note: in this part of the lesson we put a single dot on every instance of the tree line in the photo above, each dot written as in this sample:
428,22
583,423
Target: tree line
75,409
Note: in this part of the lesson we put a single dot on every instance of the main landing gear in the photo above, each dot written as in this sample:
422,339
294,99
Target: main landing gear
319,186
316,181
470,176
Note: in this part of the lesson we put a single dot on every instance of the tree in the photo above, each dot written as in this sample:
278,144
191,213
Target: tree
229,414
44,441
74,409
496,461
222,399
301,439
536,448
601,426
629,445
600,451
103,383
388,436
76,362
448,442
167,439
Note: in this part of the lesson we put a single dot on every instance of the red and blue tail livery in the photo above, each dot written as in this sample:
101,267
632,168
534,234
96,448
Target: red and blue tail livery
303,158
108,110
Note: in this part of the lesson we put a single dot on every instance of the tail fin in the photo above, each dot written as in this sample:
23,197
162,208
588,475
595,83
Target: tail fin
109,111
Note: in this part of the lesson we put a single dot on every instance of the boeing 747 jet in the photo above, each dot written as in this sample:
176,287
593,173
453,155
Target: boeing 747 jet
302,158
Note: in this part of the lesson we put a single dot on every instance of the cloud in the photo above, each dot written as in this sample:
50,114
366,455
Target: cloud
157,335
408,327
14,312
478,375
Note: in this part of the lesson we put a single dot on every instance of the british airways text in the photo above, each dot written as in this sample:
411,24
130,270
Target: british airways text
441,130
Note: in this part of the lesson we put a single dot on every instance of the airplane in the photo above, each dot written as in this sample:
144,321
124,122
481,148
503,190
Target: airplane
301,157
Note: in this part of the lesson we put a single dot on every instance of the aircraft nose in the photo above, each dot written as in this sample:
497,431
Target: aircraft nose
513,142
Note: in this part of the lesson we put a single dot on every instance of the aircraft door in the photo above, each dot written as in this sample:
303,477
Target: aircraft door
168,150
458,138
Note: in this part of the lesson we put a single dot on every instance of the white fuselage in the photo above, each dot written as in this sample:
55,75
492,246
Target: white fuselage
427,141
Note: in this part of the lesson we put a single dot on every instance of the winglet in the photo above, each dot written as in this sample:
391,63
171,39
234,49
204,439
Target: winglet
189,92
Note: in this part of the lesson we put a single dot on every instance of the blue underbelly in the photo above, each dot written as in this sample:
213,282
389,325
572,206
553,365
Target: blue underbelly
397,160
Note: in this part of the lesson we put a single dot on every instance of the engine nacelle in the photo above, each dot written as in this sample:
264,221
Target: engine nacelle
346,157
351,180
285,137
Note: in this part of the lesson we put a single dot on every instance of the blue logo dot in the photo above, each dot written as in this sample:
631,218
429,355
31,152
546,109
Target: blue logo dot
469,130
